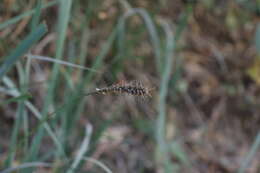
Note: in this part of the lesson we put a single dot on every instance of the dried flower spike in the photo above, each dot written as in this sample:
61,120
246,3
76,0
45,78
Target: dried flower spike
134,88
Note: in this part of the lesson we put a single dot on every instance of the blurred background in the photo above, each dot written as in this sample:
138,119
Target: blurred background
200,58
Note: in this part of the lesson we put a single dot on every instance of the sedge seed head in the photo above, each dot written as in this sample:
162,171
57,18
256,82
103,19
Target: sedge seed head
135,88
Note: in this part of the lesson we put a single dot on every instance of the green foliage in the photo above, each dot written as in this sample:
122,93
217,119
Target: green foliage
22,48
63,109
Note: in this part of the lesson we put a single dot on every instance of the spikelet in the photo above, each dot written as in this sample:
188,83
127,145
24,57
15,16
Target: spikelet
134,88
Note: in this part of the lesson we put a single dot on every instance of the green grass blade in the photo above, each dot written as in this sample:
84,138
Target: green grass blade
104,51
162,154
183,21
22,97
98,163
64,15
83,149
36,15
22,48
14,92
151,30
28,13
13,144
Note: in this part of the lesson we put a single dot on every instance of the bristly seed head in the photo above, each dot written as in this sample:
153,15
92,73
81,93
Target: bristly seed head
134,88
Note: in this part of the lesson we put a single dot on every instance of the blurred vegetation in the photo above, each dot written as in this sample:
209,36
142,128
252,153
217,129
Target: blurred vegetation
201,58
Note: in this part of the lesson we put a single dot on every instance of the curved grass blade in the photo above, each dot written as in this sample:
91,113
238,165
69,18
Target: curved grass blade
162,154
83,148
155,41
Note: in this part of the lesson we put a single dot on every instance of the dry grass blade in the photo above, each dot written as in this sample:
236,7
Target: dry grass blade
26,165
44,58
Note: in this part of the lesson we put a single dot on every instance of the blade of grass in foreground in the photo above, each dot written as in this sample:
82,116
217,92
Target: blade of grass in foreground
14,92
36,17
64,15
22,48
22,97
28,13
74,99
